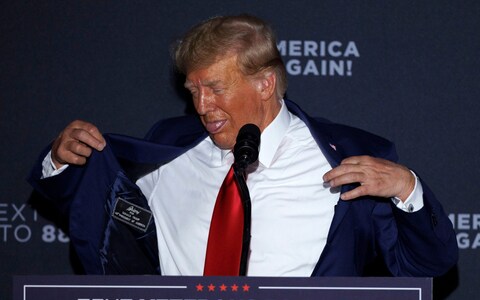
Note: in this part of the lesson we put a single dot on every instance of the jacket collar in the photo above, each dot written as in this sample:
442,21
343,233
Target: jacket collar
320,132
139,156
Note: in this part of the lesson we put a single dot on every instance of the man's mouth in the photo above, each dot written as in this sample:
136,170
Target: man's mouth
214,127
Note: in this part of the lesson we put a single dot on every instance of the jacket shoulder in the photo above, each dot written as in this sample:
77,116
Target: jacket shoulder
177,131
355,141
346,140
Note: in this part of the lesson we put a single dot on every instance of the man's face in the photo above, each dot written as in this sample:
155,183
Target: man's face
225,100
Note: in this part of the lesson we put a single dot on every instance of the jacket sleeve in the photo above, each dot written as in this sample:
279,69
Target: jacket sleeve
421,243
79,195
58,189
87,196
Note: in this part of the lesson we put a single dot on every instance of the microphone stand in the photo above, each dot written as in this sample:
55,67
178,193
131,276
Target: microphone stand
239,172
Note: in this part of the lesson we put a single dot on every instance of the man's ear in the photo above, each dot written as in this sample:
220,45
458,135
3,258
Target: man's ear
266,84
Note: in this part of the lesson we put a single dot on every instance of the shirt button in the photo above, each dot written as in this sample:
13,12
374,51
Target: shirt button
434,220
410,207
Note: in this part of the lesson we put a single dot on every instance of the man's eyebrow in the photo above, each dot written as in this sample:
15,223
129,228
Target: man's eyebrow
209,83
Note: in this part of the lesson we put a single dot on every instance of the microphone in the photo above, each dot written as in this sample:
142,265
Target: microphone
245,151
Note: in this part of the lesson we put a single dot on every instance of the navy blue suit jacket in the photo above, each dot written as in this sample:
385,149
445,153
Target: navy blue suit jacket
422,243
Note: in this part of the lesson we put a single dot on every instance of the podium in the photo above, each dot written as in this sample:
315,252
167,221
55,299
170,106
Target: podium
70,287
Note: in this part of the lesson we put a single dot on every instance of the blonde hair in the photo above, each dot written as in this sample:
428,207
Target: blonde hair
248,37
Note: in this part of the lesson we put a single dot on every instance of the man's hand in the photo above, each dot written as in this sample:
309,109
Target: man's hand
75,143
377,177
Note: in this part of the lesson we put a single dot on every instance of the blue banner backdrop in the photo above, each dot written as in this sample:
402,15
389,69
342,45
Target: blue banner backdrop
406,70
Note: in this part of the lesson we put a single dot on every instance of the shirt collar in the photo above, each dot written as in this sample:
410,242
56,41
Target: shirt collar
273,135
215,156
270,140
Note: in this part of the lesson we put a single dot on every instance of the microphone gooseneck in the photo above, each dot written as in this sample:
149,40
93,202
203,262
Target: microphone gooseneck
245,153
246,146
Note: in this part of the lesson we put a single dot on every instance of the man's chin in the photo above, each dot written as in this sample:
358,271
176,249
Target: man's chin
222,142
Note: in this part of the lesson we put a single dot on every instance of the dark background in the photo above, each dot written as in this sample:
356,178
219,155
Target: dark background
415,81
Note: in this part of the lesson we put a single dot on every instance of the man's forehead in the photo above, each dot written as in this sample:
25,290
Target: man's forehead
212,76
215,73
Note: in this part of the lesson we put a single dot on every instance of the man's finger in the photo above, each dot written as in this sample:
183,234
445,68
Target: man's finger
70,152
78,148
93,130
347,178
89,137
356,160
355,193
340,171
75,143
74,159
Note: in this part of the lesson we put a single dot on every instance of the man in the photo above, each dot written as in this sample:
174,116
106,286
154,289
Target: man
327,200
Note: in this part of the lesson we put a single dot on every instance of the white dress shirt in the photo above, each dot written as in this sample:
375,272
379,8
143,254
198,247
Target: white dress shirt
292,208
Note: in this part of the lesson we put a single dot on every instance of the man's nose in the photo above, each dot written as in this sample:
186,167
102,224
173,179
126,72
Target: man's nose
204,102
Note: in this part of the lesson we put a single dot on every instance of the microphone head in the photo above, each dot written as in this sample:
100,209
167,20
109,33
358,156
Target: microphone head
246,147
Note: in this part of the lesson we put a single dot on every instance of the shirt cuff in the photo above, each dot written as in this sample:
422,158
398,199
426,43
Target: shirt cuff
48,167
414,201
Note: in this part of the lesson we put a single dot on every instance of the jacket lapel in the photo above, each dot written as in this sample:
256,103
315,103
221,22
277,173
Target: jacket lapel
334,155
139,157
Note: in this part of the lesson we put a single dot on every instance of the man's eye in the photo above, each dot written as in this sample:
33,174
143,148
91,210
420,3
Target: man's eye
218,91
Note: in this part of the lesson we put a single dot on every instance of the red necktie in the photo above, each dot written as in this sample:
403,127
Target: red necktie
224,248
